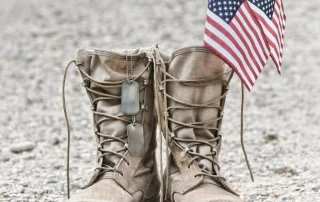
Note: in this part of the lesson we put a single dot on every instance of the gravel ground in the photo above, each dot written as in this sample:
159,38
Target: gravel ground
37,39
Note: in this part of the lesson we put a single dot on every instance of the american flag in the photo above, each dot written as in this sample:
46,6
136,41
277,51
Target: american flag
235,35
270,14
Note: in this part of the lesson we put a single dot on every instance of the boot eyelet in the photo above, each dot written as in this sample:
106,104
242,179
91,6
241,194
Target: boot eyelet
147,82
171,137
93,107
79,62
226,87
85,83
144,107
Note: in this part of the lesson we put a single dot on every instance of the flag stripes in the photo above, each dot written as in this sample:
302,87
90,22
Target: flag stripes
273,28
238,40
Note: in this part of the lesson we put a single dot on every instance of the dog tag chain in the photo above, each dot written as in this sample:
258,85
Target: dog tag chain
130,106
130,93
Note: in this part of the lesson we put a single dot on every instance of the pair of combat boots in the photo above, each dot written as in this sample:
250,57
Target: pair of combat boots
132,92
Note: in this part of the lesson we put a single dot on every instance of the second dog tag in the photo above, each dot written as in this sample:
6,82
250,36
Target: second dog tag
130,98
135,139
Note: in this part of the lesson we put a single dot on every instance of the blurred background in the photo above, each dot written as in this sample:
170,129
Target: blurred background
37,39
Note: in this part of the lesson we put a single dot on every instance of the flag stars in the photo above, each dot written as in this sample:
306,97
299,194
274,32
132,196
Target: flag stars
225,9
266,6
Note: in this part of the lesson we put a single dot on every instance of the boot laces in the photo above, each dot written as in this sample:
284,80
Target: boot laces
158,65
170,135
104,138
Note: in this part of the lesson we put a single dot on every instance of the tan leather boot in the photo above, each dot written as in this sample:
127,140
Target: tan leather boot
191,91
126,170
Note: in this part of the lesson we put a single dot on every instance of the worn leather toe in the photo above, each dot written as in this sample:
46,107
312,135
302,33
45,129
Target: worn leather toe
207,193
105,190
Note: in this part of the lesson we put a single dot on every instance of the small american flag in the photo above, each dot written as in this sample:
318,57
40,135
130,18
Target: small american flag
234,34
270,14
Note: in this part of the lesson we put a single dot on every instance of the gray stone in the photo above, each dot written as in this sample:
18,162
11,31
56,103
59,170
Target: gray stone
4,158
286,170
271,137
316,188
22,147
55,141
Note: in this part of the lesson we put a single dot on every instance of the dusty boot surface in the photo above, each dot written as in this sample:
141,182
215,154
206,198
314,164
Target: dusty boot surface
191,91
125,169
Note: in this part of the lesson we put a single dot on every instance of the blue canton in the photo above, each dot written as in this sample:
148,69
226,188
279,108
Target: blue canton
266,6
225,9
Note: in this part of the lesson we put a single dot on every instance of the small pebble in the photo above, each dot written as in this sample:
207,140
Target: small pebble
4,158
21,147
316,188
50,181
55,141
20,189
271,137
286,170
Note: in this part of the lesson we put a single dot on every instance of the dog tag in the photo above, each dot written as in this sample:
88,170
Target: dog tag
135,139
130,98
